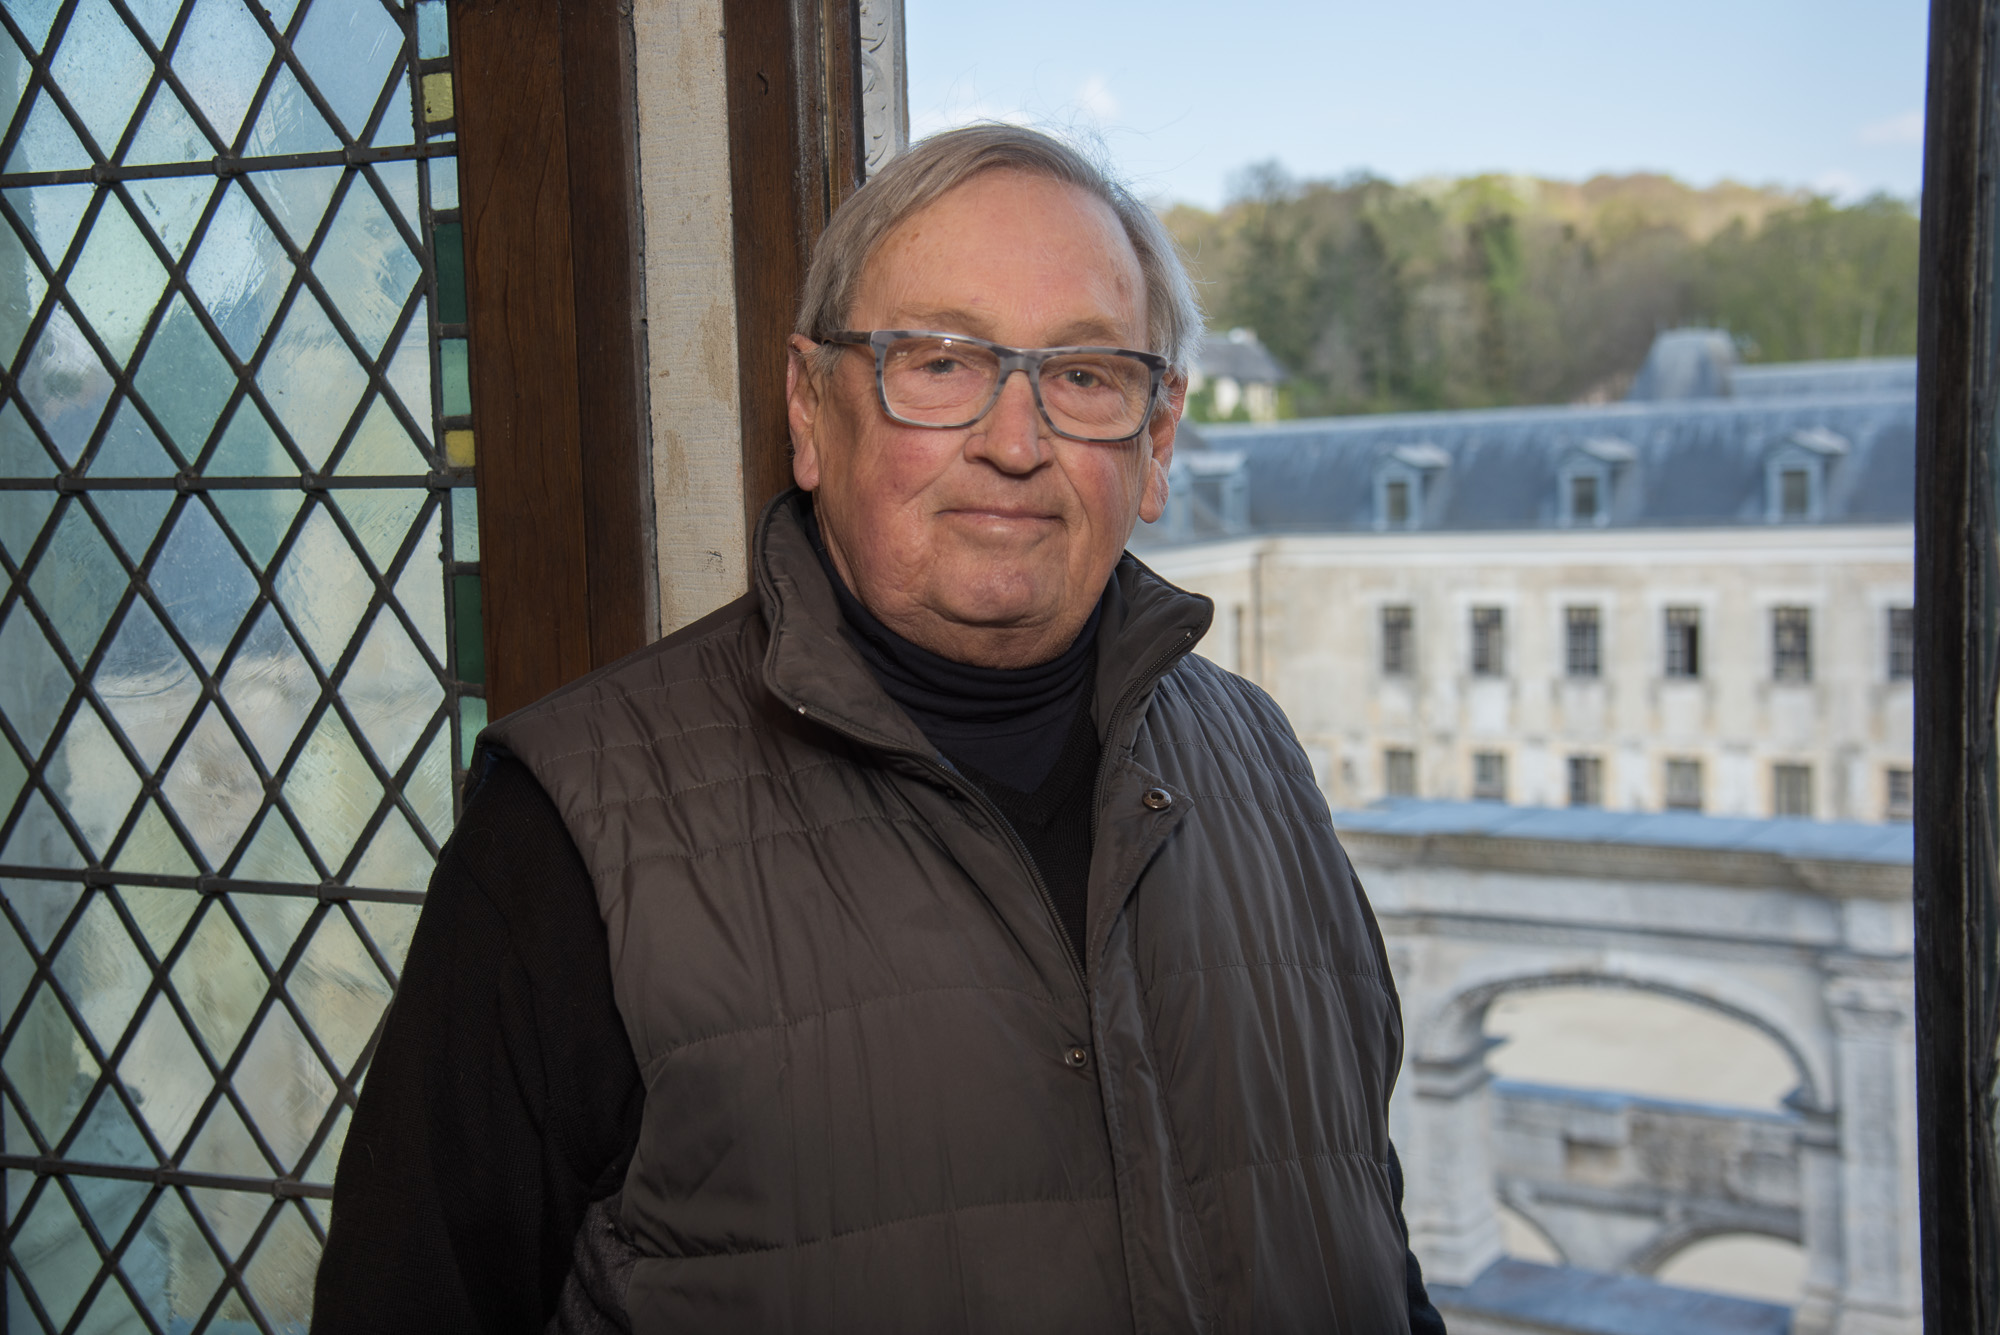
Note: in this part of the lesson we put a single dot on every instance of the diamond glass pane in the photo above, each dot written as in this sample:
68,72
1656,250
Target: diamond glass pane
226,671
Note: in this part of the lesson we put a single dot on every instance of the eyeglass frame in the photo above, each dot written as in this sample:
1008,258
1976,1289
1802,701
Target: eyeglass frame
1026,360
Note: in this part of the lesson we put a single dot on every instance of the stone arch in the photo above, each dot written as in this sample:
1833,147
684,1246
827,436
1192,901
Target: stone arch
1682,1234
1456,1027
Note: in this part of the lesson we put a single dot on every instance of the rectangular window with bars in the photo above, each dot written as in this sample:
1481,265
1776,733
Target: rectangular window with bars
1399,628
1489,642
1791,790
240,659
1791,644
1683,785
1586,781
1399,772
1902,635
1580,642
1489,776
1683,642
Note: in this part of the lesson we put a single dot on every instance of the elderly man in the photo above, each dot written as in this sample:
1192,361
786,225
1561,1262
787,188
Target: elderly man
926,941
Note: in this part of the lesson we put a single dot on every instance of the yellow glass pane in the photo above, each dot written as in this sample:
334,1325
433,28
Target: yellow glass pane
437,97
458,448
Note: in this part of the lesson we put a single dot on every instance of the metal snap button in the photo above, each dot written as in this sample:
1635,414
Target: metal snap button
1158,799
1077,1058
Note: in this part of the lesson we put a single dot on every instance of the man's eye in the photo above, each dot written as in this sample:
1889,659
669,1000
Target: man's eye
941,366
1082,377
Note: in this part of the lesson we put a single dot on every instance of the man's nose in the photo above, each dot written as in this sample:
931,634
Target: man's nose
1011,436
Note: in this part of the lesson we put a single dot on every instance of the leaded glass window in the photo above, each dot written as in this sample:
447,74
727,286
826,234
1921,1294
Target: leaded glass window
239,640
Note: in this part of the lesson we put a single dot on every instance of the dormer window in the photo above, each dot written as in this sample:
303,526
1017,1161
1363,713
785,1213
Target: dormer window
1796,473
1795,494
1396,501
1404,482
1586,479
1583,489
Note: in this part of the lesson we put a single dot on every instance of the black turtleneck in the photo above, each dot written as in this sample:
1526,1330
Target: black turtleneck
1025,736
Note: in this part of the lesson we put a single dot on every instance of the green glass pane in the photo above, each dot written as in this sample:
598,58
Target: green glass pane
471,719
457,377
448,244
467,628
464,524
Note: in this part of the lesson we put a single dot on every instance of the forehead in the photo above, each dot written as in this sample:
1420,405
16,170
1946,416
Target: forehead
1009,256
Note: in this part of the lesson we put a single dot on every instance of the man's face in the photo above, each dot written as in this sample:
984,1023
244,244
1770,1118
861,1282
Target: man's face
990,543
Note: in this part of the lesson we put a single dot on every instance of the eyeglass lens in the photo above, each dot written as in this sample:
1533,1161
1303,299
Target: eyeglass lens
946,383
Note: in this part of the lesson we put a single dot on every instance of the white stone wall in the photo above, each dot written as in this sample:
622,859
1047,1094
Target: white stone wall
1301,616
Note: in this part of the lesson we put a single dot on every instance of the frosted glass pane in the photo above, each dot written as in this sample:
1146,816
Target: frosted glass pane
348,48
78,581
64,385
366,267
391,691
340,991
221,58
103,71
146,684
240,272
444,178
213,788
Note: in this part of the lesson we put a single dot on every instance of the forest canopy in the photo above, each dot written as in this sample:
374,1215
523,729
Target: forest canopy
1487,290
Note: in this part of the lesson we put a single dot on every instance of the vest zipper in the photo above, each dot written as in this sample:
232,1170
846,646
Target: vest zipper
1071,951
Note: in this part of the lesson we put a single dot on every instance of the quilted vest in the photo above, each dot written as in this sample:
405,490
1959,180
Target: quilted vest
881,1096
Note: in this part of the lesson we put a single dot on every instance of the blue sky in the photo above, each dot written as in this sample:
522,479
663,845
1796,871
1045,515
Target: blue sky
1826,94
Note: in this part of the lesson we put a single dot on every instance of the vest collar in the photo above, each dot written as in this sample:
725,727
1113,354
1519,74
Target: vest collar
1147,626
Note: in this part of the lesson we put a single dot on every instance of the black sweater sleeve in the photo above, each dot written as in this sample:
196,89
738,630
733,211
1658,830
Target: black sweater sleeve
503,1097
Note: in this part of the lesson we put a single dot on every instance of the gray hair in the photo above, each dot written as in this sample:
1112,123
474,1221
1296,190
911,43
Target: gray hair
932,167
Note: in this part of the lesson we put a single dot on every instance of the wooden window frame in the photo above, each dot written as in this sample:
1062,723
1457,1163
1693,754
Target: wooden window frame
548,169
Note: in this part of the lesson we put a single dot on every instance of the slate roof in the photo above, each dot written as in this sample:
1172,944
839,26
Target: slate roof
1692,462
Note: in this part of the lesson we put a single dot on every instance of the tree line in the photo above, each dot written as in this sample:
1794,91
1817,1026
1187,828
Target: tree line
1489,290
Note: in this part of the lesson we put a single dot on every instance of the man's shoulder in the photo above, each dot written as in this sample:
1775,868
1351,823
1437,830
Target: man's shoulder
718,657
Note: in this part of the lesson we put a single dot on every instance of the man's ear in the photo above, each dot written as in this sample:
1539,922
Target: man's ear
802,394
1160,441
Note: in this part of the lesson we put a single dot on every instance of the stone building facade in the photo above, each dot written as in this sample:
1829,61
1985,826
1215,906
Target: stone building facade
1678,604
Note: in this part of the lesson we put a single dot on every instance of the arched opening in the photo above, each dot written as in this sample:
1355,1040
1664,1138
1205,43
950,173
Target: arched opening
1638,1042
1744,1265
1523,1240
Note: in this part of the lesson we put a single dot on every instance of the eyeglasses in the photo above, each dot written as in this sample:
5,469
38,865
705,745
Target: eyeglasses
1099,395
